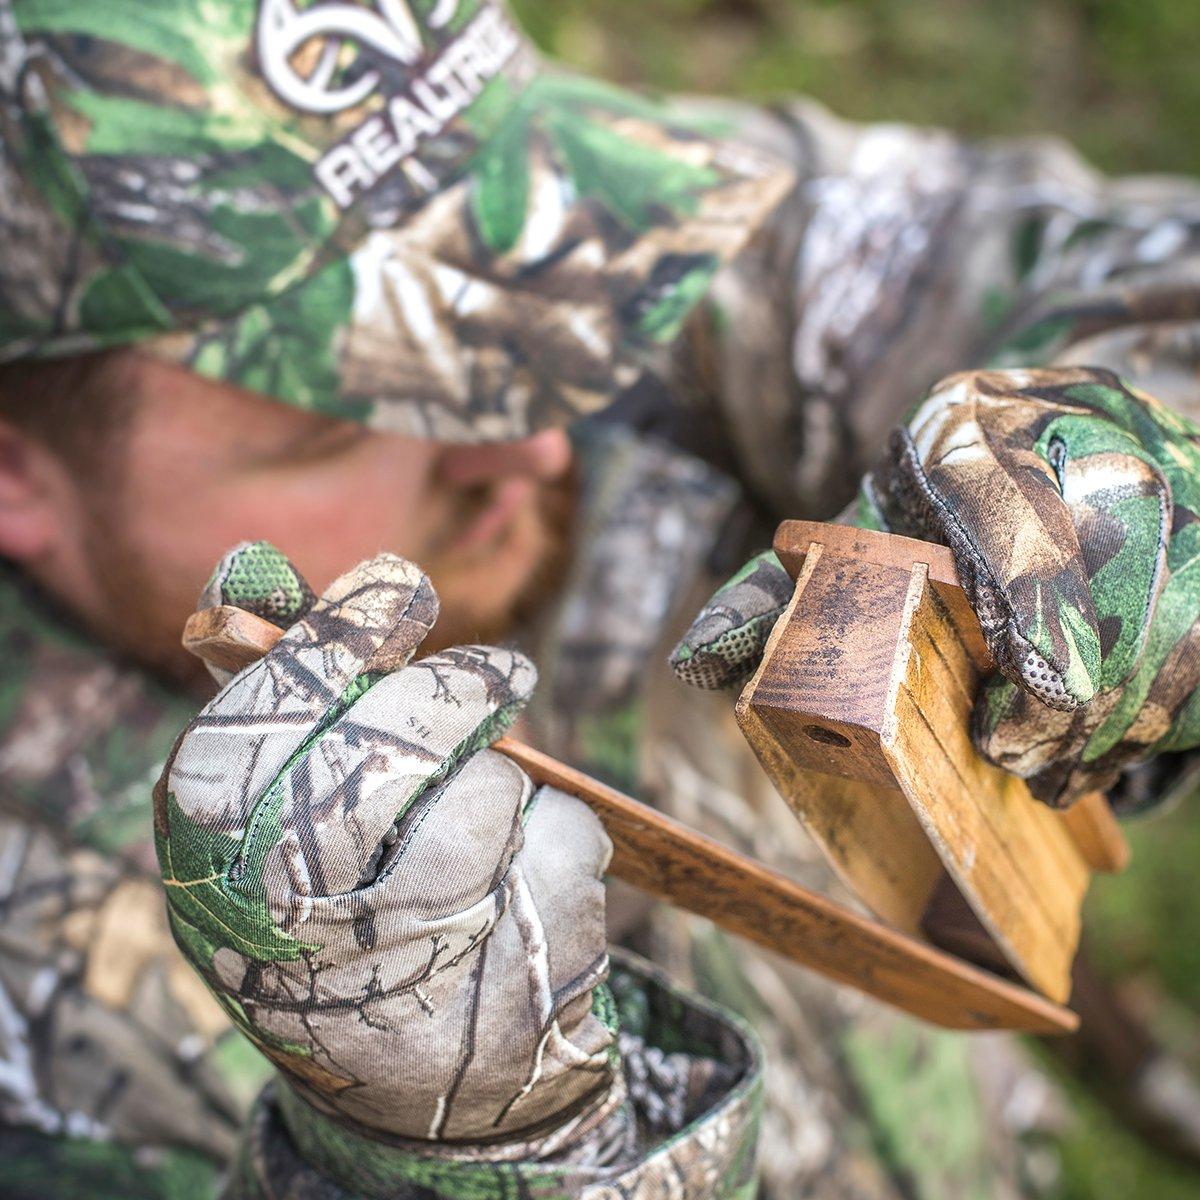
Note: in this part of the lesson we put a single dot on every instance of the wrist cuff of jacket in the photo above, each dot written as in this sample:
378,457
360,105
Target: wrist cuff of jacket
1161,784
377,1164
712,1136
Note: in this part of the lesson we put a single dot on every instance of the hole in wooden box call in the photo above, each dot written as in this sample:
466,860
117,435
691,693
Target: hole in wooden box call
830,737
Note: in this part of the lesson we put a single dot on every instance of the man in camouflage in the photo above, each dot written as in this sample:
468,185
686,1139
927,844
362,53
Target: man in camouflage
393,214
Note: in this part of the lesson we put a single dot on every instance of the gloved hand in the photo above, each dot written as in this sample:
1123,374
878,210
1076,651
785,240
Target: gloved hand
384,906
1070,504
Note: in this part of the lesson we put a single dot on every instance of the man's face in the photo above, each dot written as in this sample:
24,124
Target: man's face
206,465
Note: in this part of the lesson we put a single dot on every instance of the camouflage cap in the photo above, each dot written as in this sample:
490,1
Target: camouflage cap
389,210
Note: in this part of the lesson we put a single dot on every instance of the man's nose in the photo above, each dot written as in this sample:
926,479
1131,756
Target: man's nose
546,455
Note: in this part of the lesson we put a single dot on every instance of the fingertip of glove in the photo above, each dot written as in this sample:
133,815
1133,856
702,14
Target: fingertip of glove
724,644
259,578
391,570
1046,684
524,673
374,616
1061,673
706,670
388,583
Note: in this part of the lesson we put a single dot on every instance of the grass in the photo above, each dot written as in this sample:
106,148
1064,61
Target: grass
1144,932
1118,78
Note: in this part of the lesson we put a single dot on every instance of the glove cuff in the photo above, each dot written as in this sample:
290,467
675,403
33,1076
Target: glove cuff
684,1110
371,1163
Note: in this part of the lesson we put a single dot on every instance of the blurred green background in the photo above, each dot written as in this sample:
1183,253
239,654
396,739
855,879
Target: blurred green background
1121,80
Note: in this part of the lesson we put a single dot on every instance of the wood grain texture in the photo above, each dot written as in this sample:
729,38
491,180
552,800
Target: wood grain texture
1091,820
667,859
688,869
229,638
869,680
860,819
835,662
1013,859
793,538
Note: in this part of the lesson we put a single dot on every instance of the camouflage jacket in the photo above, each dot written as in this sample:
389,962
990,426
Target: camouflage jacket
105,1024
906,254
900,255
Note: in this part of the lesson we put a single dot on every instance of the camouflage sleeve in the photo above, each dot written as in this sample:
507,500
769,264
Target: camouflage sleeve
694,1085
119,1075
907,254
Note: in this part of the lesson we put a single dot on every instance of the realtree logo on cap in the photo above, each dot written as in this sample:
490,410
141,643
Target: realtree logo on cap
443,84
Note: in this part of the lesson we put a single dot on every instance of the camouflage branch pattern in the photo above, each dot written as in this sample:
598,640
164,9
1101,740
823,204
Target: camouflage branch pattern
697,1112
1068,501
817,1133
411,933
434,234
341,862
904,255
911,255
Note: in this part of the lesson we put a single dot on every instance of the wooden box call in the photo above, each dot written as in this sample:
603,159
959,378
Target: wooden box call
860,713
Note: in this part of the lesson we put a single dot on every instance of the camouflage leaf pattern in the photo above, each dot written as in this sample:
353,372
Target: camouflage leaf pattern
355,876
906,254
503,255
1069,502
1054,490
909,254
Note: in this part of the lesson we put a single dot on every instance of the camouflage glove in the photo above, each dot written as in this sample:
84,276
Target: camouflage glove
1070,505
724,644
383,905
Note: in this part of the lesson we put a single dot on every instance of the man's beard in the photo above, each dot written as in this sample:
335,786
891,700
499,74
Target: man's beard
554,515
139,622
144,621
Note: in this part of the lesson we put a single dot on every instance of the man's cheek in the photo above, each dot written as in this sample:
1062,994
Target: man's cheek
327,531
326,516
